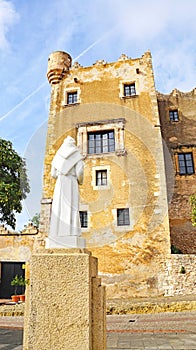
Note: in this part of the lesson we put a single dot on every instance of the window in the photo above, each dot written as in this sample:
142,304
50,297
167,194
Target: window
101,142
123,217
72,97
102,136
185,161
84,219
129,89
173,115
101,177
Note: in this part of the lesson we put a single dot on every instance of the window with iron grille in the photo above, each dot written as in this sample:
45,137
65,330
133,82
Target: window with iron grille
101,142
123,217
185,161
101,177
129,90
84,219
71,97
173,115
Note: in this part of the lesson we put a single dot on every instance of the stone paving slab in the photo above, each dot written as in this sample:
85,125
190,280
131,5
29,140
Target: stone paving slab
9,322
11,339
166,331
151,342
155,323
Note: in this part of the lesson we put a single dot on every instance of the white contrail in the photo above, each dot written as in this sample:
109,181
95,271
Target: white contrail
93,44
23,101
42,85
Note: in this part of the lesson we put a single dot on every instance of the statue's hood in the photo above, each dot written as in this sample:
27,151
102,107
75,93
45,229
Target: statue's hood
66,156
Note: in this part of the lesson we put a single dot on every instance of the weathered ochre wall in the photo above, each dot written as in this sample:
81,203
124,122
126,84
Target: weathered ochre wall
16,246
180,137
137,178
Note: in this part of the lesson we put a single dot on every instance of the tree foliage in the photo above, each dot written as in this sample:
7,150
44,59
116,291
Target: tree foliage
14,184
193,205
35,220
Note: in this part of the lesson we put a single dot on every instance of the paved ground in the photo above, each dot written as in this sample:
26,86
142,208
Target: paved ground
10,339
166,331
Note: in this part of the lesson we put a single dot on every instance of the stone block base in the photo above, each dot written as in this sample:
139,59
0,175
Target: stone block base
65,306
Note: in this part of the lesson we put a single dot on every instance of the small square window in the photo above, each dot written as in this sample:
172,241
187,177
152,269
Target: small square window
101,177
84,219
185,162
173,115
129,90
72,97
123,217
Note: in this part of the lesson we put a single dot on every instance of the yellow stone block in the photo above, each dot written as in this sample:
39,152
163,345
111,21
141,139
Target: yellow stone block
65,304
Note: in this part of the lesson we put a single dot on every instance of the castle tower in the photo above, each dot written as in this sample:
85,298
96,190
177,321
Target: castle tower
59,63
111,110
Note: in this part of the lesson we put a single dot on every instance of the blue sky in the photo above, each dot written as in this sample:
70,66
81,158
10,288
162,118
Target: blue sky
89,30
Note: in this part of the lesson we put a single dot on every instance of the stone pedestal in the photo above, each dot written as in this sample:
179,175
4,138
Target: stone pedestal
65,306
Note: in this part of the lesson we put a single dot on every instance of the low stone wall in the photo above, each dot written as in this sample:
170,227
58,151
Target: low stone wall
127,306
179,275
12,310
151,305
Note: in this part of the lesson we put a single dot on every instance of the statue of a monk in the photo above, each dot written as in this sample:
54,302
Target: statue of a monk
68,169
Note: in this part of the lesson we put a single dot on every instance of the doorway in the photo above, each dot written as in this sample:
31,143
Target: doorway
8,270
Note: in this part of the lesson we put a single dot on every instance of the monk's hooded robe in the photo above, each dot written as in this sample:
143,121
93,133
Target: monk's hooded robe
67,168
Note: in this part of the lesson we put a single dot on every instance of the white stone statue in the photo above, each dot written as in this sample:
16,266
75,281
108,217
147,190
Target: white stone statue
68,169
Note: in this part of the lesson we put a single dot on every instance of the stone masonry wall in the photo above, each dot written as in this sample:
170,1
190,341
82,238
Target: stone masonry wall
180,137
179,275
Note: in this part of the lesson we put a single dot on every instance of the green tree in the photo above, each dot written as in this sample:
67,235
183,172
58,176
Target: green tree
193,205
35,220
14,184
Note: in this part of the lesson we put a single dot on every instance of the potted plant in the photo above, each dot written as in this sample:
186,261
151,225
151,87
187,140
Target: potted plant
22,283
15,283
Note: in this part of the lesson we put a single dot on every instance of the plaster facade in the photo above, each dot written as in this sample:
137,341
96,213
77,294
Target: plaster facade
15,253
15,246
134,166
